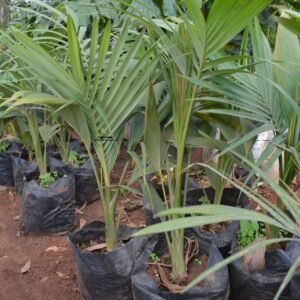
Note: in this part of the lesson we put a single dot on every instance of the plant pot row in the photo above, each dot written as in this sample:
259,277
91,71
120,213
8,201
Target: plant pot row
122,273
52,209
244,285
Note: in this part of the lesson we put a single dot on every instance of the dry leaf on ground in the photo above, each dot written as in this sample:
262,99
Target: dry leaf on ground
82,222
96,247
56,249
26,267
174,288
62,275
11,196
81,209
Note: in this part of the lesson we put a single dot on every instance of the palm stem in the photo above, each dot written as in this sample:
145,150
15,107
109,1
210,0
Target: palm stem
34,132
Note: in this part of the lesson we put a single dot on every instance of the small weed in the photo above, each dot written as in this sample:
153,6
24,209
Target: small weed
122,191
252,230
77,160
48,178
283,234
204,200
249,232
154,258
198,261
3,146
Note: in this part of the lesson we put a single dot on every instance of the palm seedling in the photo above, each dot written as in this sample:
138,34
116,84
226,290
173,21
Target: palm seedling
189,45
193,216
269,98
95,93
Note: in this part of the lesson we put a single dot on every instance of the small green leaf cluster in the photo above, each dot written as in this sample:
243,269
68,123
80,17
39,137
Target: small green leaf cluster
3,146
154,258
204,200
198,261
249,232
76,160
48,178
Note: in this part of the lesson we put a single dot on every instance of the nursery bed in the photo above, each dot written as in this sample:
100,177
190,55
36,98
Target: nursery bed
51,274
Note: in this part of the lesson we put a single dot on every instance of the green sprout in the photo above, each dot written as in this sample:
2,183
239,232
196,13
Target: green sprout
249,232
76,160
154,258
47,179
3,146
198,261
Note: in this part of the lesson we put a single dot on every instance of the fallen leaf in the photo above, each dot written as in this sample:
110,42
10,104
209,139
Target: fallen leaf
133,225
174,288
62,275
44,279
132,204
80,210
16,218
26,267
82,222
61,233
93,243
11,196
52,248
96,247
56,249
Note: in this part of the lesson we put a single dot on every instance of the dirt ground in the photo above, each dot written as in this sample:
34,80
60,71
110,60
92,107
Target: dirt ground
51,274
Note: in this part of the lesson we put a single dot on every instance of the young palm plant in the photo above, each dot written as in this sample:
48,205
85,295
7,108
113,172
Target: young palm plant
95,93
189,45
188,217
270,98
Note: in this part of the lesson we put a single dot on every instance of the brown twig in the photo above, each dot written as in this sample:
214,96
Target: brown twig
192,250
160,264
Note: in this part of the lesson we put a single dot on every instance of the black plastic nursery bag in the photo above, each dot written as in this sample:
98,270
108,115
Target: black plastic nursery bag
86,188
226,239
260,285
293,251
6,171
215,287
105,276
48,210
23,170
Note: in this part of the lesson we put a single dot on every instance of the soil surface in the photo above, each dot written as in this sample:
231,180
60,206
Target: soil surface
161,272
215,228
41,267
